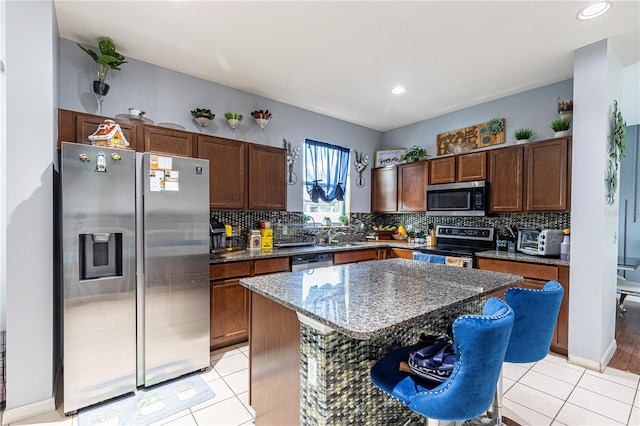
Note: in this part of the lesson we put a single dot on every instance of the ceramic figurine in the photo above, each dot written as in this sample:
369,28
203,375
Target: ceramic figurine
109,134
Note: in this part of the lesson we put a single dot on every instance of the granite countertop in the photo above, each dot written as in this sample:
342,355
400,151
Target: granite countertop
521,257
369,299
236,256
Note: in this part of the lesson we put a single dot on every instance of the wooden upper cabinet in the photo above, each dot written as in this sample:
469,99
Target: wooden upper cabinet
167,141
412,186
384,189
548,176
77,127
442,170
505,179
227,166
267,181
472,166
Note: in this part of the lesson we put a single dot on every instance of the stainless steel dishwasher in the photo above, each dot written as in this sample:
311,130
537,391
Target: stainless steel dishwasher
311,261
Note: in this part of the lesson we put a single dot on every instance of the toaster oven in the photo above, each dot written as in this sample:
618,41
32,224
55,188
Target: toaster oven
540,242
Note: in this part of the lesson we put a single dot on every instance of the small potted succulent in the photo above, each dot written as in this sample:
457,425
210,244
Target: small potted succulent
523,135
344,220
414,153
203,116
327,221
561,127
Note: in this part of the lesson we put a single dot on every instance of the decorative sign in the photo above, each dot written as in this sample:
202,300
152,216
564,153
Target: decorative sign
479,134
389,157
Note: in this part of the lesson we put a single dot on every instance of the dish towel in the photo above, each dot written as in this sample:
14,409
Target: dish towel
454,261
431,258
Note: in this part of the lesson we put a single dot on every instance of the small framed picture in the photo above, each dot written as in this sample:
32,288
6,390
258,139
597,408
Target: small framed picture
389,157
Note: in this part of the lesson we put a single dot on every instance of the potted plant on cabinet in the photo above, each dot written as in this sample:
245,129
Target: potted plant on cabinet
523,135
561,127
344,220
414,153
203,116
108,59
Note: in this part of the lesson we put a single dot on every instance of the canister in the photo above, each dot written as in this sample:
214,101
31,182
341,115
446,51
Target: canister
255,240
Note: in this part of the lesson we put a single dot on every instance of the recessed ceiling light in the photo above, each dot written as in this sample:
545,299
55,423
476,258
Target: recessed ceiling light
398,90
594,10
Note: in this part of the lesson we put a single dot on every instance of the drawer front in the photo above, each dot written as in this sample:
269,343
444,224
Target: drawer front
229,270
354,256
268,266
530,270
401,253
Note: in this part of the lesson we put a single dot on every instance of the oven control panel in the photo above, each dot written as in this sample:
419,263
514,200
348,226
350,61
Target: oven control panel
465,233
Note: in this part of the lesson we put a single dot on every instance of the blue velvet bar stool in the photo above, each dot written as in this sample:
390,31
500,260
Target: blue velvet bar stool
480,343
536,313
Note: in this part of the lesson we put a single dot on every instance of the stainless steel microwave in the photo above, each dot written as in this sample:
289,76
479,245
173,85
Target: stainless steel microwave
457,199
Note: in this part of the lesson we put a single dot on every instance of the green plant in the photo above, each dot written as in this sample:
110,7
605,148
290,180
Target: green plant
414,153
343,219
495,126
233,116
523,134
306,218
203,112
108,59
327,218
560,124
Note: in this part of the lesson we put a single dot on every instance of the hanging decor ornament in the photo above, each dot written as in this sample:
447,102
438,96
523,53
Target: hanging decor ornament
361,163
292,156
233,119
617,150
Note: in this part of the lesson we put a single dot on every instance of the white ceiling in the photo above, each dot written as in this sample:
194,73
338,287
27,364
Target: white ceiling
342,58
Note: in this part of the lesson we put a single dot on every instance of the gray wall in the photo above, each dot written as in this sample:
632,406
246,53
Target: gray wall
31,96
169,96
533,109
630,191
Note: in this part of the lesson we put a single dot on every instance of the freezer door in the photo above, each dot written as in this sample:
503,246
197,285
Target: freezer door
99,301
176,266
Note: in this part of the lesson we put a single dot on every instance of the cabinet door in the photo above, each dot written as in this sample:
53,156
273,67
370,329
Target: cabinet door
354,256
442,170
86,125
227,165
229,313
384,189
401,253
472,166
267,182
548,175
505,179
412,187
167,141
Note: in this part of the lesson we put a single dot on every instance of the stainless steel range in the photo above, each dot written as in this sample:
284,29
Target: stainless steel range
461,242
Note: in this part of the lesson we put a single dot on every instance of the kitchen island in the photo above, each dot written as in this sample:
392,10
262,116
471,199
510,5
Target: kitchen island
315,334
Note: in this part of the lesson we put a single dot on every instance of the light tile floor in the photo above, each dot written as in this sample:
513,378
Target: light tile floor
549,392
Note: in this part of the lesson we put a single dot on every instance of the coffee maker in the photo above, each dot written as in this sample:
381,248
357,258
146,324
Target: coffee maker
218,236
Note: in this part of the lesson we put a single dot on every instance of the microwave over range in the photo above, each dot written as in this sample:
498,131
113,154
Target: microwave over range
458,199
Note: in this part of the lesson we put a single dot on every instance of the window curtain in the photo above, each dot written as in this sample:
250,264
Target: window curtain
326,170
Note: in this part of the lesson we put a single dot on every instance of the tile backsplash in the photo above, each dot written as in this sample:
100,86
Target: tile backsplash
288,226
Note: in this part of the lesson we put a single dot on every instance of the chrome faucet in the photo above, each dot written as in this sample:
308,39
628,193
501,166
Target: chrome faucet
330,235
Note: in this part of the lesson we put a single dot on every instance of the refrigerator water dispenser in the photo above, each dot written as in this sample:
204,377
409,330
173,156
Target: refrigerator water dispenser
100,255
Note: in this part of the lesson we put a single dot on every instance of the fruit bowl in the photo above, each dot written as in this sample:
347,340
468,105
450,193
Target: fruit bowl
399,236
461,148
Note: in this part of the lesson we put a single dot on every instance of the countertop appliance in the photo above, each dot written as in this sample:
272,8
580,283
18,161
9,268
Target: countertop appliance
135,288
303,262
540,242
457,199
461,242
218,234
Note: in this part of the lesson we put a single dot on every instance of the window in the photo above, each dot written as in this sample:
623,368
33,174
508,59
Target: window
326,181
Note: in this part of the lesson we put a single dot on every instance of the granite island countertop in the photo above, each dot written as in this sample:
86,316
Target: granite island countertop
369,299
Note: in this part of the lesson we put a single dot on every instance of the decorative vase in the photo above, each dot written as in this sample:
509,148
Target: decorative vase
100,88
561,134
203,121
521,141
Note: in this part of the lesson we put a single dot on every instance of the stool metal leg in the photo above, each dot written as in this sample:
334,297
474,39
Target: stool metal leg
496,412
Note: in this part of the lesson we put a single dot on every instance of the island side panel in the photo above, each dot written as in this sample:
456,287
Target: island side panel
337,389
274,345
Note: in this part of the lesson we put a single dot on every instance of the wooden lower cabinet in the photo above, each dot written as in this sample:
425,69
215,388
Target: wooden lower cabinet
229,303
401,253
354,256
536,276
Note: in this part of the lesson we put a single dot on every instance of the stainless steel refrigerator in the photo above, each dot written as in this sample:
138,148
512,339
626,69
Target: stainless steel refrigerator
135,270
